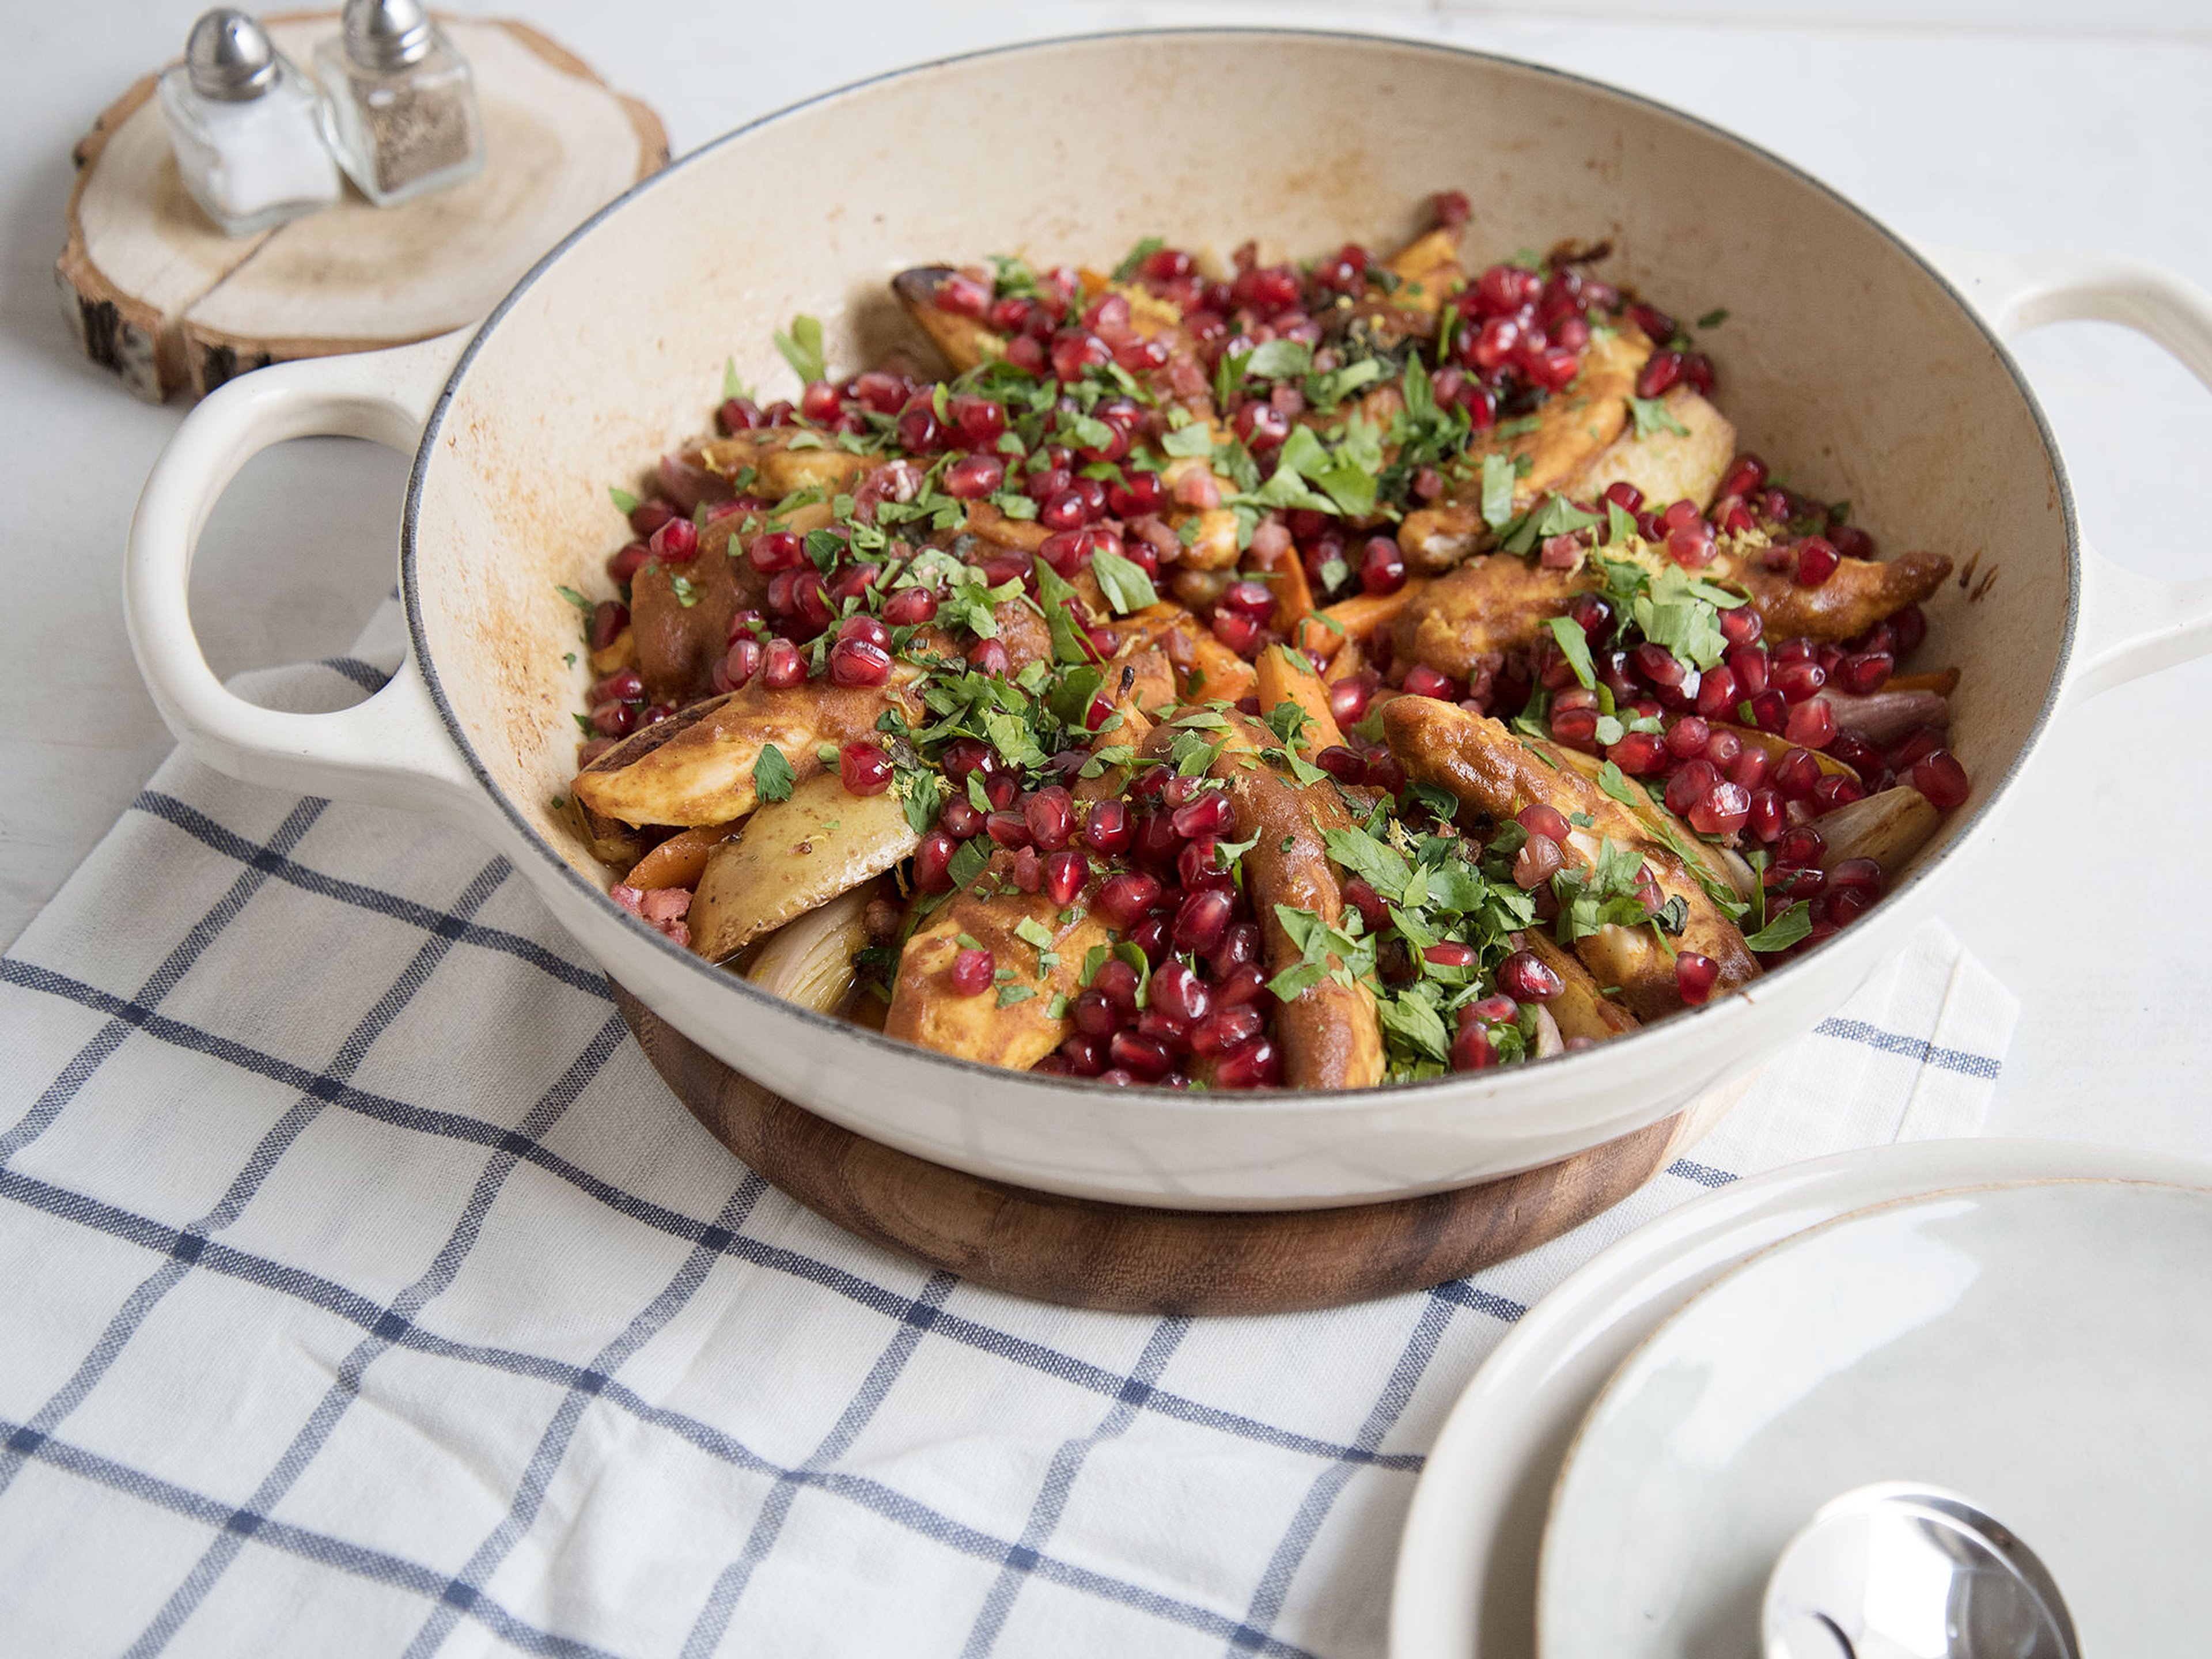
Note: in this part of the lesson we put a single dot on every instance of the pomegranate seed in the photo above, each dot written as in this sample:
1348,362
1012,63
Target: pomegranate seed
1348,701
1065,872
1687,737
1381,566
1008,829
1940,778
1449,953
1750,767
1262,425
1915,746
1225,1029
1248,600
1344,765
649,516
1801,845
1691,546
1143,1057
857,662
1471,1049
1361,895
1539,819
739,662
960,818
1834,790
1202,921
972,972
1254,1065
1747,477
1639,753
1385,773
1865,672
1689,783
1540,859
865,769
988,658
1067,510
609,618
1770,712
1718,693
1661,370
676,541
1240,633
1424,681
782,667
1140,492
1795,773
1029,870
1181,994
1816,561
910,607
1116,981
1766,817
1861,873
973,477
1910,625
1526,977
1811,725
1123,898
1207,814
966,755
614,720
1658,665
1695,977
1239,945
1575,727
1106,828
1074,351
1723,809
1749,662
819,402
1097,1014
1852,542
933,862
1050,815
1723,746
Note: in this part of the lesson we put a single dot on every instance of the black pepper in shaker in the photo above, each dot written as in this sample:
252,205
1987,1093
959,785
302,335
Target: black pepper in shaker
402,103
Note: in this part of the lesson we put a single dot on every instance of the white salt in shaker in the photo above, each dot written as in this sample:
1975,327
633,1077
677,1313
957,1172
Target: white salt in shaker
402,103
247,128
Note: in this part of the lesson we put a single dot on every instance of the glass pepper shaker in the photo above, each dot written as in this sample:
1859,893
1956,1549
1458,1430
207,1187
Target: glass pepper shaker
401,103
247,128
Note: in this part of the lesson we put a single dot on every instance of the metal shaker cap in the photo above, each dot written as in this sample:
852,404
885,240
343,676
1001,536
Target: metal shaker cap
386,34
228,58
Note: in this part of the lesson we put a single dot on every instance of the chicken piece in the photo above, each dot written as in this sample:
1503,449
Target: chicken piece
785,459
1478,760
1859,593
1498,602
1572,429
965,340
927,1010
1666,465
988,524
1330,1034
702,772
682,633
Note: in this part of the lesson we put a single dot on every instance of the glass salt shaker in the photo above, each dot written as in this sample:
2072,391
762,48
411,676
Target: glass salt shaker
401,103
247,128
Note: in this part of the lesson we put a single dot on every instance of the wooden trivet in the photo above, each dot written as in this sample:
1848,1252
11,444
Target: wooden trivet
1128,1258
153,291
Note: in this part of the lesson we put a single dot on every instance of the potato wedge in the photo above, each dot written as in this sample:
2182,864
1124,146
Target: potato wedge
809,961
1888,828
1666,465
791,856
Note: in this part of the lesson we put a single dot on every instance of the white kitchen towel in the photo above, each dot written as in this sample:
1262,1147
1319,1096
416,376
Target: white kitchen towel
363,1291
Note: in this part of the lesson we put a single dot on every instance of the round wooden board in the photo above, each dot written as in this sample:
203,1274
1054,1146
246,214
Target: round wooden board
153,291
1128,1258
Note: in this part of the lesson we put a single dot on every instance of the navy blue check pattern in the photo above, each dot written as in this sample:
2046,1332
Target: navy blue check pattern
366,1293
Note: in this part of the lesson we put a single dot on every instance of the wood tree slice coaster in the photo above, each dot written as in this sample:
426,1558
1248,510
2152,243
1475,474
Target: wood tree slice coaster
1126,1258
153,291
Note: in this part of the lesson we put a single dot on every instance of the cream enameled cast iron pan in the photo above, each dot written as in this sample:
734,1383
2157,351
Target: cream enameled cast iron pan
1861,367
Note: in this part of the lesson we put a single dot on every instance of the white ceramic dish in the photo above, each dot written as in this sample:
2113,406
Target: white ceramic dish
1467,1574
2046,1348
607,355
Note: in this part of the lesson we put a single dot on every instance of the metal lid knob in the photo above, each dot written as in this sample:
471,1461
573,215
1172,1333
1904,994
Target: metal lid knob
228,58
386,34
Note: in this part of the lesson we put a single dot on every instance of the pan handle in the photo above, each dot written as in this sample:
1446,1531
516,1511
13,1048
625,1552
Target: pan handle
392,750
2131,625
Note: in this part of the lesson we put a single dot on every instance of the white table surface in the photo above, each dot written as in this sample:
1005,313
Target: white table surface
2036,124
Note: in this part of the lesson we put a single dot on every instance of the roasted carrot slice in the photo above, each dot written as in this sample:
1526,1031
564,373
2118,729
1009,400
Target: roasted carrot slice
681,859
1285,675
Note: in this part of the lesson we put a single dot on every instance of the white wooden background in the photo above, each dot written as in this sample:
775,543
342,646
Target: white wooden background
2036,123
